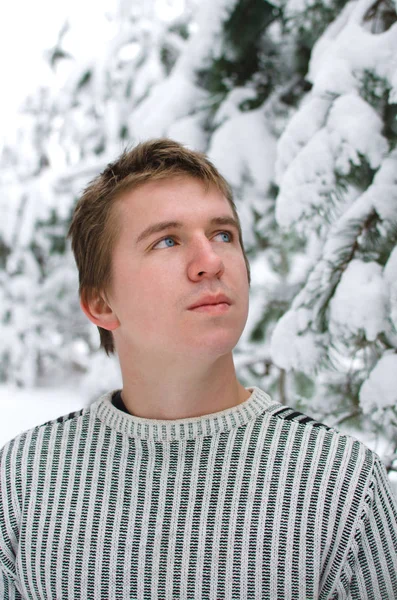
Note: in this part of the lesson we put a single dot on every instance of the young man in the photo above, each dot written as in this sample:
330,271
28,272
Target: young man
184,484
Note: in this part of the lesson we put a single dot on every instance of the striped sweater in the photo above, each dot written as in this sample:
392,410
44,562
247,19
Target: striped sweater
257,501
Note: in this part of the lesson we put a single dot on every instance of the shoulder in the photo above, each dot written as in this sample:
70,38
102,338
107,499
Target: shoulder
332,457
345,479
30,434
287,413
303,424
33,443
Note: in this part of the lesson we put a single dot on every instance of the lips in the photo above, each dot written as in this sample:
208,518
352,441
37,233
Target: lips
211,300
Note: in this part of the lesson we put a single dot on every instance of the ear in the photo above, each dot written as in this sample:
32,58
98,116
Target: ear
99,312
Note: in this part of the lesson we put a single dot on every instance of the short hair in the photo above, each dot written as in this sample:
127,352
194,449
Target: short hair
93,229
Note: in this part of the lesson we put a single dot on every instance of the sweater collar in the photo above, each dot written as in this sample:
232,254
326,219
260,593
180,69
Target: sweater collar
182,429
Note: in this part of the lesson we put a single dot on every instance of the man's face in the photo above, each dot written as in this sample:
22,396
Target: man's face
157,277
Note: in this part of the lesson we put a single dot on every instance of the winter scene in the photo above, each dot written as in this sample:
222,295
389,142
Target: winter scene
154,471
295,102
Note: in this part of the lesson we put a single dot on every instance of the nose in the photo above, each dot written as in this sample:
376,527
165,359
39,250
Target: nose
204,262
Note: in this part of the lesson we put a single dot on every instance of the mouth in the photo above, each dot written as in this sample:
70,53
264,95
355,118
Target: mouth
217,309
210,301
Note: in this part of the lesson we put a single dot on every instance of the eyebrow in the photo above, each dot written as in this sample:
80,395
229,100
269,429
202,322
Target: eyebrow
163,225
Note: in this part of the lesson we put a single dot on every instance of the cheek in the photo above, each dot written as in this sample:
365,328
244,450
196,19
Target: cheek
243,273
243,289
153,292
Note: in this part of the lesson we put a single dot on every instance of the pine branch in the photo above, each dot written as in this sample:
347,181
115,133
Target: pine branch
281,387
326,276
352,415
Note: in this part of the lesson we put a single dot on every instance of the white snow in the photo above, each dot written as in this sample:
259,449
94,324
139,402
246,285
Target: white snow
379,391
352,129
297,6
293,345
360,303
307,184
163,106
230,106
390,276
349,49
151,73
300,128
178,96
190,132
355,128
22,409
244,147
308,156
384,189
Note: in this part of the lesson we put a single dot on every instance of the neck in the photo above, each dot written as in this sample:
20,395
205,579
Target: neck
172,392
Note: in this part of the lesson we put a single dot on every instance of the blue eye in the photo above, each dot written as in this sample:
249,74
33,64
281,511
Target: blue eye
228,235
166,240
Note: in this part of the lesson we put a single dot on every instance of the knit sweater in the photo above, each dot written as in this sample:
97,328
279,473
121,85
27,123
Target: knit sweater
256,501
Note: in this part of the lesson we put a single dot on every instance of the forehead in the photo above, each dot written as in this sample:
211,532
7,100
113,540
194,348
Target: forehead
177,197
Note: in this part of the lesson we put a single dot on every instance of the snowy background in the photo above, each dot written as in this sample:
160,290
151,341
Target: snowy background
295,101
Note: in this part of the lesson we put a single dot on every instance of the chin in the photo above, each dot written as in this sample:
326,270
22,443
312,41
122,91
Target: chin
216,345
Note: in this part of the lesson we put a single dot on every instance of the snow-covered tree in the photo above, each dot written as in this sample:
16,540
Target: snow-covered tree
337,174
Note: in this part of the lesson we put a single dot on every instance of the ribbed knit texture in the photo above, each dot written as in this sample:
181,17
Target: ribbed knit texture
257,501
